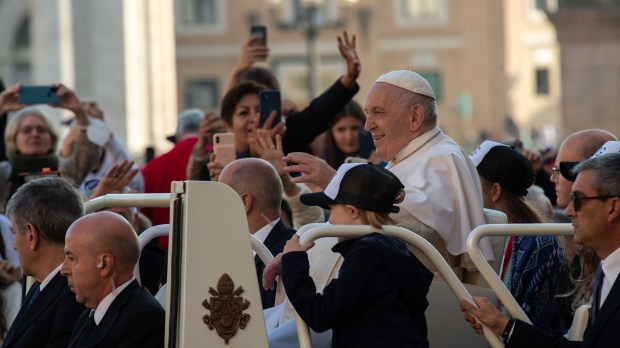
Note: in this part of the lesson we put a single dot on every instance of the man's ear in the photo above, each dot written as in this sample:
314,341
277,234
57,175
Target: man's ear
416,117
614,209
496,192
248,201
33,236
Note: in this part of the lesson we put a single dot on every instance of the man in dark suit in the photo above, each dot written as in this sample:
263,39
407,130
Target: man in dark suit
258,184
101,251
595,212
41,211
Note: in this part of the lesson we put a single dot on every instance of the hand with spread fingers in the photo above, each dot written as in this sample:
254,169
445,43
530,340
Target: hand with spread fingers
314,171
347,50
8,100
278,129
265,148
115,180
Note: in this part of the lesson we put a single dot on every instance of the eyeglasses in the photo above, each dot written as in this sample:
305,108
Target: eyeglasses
577,200
29,129
555,171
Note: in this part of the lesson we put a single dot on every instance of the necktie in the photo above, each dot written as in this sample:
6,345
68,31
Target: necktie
88,327
599,275
33,295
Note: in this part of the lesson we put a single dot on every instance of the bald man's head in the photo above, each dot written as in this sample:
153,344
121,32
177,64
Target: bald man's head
577,147
108,232
256,177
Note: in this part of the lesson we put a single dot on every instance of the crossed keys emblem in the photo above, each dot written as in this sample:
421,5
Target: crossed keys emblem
226,309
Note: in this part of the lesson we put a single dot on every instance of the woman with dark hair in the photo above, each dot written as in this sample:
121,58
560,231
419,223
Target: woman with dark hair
534,267
346,136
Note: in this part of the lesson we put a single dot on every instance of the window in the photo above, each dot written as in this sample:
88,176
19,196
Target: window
22,69
422,12
201,94
435,81
542,81
201,15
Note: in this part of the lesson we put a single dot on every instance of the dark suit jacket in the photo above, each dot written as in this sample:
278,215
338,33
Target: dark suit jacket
49,320
603,333
134,319
275,243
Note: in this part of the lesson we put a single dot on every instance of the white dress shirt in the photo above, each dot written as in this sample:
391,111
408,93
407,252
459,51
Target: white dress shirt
105,304
611,268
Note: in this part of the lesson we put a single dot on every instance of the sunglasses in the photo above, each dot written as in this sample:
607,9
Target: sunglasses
577,200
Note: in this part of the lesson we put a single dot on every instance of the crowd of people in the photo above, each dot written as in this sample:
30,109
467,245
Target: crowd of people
291,173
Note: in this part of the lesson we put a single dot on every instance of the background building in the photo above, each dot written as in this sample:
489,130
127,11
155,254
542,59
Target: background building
495,65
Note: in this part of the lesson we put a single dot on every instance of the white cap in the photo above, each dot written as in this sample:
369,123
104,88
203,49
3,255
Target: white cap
478,155
611,146
98,132
408,80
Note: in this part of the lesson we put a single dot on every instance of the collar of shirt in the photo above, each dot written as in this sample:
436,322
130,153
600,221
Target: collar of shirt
264,231
611,268
414,146
49,277
104,305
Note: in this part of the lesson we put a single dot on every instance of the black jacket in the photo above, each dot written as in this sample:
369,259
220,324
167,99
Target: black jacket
378,300
304,126
49,320
602,333
134,319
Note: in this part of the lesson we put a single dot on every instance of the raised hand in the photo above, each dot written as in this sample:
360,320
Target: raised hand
8,99
313,170
347,50
115,180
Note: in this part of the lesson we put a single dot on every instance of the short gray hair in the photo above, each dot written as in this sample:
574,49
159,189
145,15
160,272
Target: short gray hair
189,121
428,104
607,173
50,204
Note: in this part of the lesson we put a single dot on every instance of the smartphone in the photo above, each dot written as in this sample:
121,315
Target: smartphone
259,31
27,177
224,147
352,159
38,95
270,101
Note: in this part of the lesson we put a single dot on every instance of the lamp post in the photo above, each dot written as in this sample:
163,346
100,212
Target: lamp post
308,17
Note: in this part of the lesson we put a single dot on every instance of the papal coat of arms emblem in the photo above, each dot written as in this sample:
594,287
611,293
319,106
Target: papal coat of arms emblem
226,309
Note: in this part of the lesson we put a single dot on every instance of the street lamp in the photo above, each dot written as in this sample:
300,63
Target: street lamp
308,17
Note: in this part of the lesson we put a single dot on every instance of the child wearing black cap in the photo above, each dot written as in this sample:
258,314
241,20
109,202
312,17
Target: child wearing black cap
379,297
534,267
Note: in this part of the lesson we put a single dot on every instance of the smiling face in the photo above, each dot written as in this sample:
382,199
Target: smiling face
33,137
246,115
387,120
346,134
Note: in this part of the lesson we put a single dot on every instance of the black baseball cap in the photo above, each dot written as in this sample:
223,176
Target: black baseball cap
365,186
505,165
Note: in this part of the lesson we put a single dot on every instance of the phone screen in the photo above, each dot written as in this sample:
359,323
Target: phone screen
260,31
270,101
38,95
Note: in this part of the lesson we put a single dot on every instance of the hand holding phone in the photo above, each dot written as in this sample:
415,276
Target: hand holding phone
224,147
270,101
259,38
38,95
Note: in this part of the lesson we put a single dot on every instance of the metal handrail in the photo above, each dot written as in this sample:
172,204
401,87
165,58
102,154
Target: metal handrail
404,234
126,200
496,284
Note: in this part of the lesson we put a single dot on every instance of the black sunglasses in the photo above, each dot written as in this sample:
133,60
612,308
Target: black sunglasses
577,200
